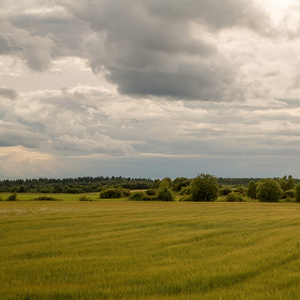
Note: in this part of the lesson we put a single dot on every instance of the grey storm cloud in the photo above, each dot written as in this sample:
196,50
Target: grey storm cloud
162,48
8,93
148,47
190,81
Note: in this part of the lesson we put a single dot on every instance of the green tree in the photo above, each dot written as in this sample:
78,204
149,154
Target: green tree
282,182
156,184
251,191
289,194
298,192
166,182
179,183
269,190
290,185
204,187
22,189
164,192
286,183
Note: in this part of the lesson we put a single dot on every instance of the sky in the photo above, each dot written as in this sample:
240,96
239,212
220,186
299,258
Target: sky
149,88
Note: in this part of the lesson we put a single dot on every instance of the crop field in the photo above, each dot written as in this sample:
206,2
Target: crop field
149,250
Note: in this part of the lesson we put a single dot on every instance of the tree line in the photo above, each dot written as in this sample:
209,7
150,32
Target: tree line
72,185
206,187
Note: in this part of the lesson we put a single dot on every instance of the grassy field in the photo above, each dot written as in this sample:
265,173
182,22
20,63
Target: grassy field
57,197
149,250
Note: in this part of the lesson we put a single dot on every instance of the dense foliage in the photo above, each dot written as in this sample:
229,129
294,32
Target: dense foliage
165,194
251,191
269,190
204,187
234,197
297,192
73,185
141,196
112,193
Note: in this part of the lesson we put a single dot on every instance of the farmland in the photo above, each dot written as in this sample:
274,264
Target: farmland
149,250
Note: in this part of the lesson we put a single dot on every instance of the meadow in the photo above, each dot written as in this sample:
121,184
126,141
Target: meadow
149,250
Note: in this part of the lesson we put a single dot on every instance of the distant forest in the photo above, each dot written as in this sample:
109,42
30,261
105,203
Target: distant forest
96,184
73,185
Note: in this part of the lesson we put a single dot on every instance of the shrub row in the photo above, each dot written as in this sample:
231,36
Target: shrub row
113,193
46,198
163,193
12,197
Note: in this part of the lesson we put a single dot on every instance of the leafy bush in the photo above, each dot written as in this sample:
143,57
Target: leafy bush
234,197
150,192
141,196
289,193
185,190
137,196
225,191
205,187
12,197
180,183
45,198
112,193
85,198
126,192
269,190
289,199
241,190
164,194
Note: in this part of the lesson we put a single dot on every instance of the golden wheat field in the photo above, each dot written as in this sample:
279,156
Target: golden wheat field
149,250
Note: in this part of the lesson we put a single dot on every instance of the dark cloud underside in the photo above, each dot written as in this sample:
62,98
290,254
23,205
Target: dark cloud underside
162,48
148,48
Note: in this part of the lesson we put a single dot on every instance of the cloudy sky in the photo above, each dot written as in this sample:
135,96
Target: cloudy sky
149,88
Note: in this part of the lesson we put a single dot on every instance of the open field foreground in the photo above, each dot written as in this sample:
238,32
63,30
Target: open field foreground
149,250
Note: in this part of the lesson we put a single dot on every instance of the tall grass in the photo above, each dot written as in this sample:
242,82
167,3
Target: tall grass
149,250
